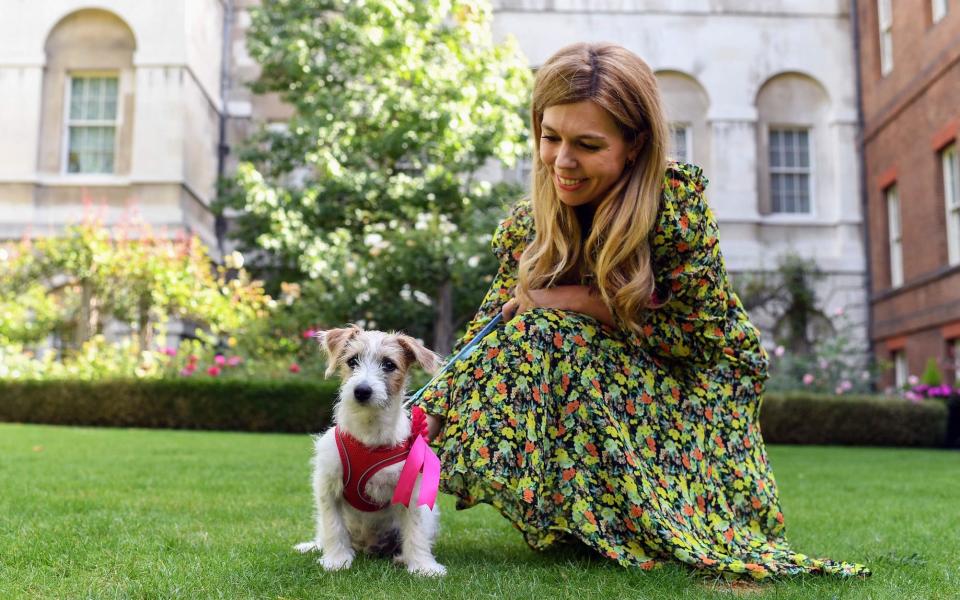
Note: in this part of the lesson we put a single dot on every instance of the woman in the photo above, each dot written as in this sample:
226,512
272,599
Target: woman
618,404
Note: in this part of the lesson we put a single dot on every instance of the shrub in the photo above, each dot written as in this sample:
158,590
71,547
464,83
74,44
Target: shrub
295,406
796,418
304,406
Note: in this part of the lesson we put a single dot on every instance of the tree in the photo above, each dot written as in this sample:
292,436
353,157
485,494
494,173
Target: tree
78,282
371,189
789,298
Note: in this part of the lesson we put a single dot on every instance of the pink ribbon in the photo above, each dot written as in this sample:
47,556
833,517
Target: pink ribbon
420,460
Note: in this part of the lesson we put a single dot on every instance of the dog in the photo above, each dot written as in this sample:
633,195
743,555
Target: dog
374,367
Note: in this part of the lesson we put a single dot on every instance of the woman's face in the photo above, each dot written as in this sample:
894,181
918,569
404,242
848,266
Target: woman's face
584,151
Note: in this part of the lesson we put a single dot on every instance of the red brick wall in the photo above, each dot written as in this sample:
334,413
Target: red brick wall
908,115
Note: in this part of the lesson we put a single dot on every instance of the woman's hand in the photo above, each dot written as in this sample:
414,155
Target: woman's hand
575,298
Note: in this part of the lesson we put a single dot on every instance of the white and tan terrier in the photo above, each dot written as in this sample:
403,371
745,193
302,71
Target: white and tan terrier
357,462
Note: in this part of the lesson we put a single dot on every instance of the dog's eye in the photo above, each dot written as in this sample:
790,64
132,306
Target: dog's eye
389,366
352,362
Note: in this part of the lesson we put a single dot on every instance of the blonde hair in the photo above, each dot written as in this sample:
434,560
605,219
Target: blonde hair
616,251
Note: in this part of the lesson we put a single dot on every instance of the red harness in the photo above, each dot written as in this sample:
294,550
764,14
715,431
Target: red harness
361,462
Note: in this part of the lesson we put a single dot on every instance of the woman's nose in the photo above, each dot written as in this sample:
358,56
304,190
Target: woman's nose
565,159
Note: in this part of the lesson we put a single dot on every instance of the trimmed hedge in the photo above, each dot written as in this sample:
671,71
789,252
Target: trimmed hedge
797,418
230,404
304,406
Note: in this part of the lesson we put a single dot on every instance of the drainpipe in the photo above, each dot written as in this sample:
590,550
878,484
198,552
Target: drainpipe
862,160
220,223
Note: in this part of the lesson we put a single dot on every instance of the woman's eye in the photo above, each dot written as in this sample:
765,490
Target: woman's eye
589,147
389,366
352,362
549,138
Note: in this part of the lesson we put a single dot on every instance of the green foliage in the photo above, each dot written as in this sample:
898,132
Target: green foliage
301,406
837,364
370,190
788,296
799,418
73,285
932,375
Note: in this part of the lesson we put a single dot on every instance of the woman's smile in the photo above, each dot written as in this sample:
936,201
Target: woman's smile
570,184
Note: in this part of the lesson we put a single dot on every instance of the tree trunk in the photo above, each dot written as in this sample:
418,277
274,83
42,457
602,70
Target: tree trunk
443,319
84,329
143,336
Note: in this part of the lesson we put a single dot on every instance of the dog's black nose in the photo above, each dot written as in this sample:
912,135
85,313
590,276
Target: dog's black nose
362,392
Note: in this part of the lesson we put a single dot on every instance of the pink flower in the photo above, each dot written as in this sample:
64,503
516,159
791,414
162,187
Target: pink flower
187,371
308,333
193,358
780,351
169,351
838,390
213,371
915,398
823,364
838,312
220,360
913,380
294,368
846,385
807,379
234,361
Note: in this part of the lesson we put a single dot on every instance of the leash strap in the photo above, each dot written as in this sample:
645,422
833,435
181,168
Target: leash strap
464,352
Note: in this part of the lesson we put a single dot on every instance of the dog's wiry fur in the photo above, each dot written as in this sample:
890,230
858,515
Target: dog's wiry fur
363,359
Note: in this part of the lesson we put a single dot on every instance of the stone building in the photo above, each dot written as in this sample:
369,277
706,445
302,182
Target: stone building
909,56
139,102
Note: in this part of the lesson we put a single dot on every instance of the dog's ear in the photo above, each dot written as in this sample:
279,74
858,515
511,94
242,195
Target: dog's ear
419,353
333,342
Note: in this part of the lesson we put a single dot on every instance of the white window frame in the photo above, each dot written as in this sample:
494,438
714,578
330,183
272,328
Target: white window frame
901,371
885,22
939,9
951,194
895,233
687,142
67,122
795,170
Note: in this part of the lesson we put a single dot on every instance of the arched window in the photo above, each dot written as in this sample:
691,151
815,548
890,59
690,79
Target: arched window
88,86
793,134
686,105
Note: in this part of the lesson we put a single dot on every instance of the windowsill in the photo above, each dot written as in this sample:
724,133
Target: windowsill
945,271
91,179
790,219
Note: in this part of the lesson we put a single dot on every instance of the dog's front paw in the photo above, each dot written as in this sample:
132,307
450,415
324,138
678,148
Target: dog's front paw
305,547
336,562
427,568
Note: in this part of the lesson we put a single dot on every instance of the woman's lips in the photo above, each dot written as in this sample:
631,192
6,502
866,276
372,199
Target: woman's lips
569,184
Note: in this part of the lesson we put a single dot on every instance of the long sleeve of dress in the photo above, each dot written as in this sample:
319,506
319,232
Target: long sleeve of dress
701,322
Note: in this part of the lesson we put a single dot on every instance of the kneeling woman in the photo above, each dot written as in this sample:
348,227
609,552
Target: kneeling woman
618,403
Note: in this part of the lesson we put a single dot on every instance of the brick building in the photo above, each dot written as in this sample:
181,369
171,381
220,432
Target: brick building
909,58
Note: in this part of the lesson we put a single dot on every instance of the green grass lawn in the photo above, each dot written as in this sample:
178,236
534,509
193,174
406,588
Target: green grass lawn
103,513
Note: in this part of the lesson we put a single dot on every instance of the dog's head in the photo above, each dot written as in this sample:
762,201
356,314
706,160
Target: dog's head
373,365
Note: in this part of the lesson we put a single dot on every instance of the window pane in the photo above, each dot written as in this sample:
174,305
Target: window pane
678,142
776,153
90,150
804,149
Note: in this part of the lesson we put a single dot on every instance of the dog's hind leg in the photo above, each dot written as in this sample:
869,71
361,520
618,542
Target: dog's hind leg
418,528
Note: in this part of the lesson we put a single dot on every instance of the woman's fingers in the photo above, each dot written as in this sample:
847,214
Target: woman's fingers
509,309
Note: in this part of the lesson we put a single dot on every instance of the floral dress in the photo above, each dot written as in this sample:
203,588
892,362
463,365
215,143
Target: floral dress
643,446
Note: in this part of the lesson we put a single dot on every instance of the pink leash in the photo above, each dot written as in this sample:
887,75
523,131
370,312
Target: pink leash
421,460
